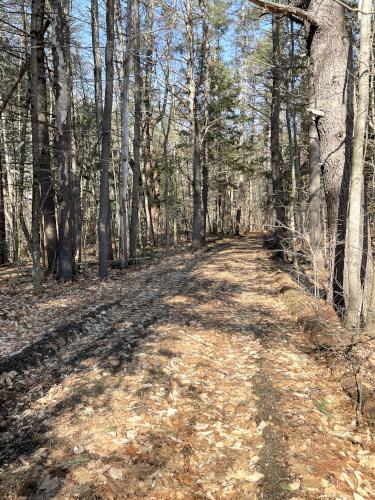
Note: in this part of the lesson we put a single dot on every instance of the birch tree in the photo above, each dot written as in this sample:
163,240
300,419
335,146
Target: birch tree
355,228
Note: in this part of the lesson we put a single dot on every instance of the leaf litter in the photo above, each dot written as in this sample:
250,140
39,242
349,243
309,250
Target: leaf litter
193,383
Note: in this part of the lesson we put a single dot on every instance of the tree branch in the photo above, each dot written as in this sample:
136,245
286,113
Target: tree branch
4,101
354,9
296,13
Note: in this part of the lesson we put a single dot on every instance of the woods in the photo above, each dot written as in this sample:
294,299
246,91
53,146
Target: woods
187,249
130,126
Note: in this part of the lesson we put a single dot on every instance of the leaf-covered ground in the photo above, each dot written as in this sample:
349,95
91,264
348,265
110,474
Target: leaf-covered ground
186,379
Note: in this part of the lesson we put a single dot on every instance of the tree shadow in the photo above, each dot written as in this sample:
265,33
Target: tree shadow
71,350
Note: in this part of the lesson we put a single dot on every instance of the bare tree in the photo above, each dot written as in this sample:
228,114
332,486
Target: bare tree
37,19
103,225
125,140
331,88
45,176
63,138
355,228
97,67
3,239
137,131
205,73
276,156
194,127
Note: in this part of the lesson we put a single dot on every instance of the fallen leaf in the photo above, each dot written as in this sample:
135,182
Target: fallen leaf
115,474
243,475
357,496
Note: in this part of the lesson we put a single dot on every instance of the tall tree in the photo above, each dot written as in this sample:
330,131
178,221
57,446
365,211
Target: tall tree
98,71
3,239
125,139
355,216
148,120
103,225
331,77
194,128
276,156
331,89
45,176
63,137
37,19
137,130
206,80
42,126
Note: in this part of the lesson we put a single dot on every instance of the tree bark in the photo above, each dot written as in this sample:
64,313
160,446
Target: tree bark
46,184
331,91
97,68
167,174
195,135
355,214
45,176
331,88
206,70
137,132
104,217
314,191
276,156
125,141
370,320
63,141
23,157
148,120
3,240
36,22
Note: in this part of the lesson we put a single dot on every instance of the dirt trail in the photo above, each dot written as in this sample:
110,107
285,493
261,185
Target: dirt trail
193,383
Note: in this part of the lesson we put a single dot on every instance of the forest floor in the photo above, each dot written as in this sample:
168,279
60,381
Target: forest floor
183,379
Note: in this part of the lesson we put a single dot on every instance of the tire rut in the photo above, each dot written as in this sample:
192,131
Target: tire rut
47,361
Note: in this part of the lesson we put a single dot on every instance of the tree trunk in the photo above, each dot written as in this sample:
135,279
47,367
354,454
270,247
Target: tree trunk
137,132
104,215
276,157
148,119
21,182
331,89
97,68
370,320
63,141
206,63
314,192
36,22
45,177
194,127
331,92
167,174
238,222
125,142
293,184
355,213
40,115
3,241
